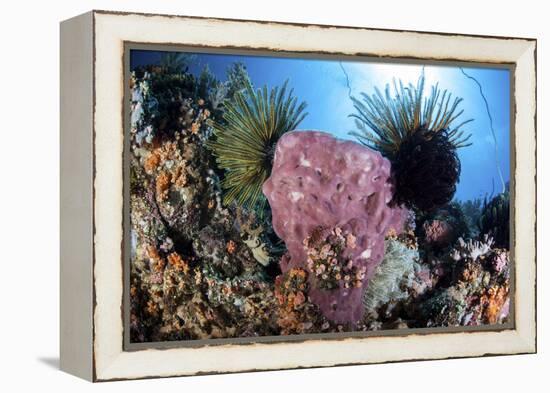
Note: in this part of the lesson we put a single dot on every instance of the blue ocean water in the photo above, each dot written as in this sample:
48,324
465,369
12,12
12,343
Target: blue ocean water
327,84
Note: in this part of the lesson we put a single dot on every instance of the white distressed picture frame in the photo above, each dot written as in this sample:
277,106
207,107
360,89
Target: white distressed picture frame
92,139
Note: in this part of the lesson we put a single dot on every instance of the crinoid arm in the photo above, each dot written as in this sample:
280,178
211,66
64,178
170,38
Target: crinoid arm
244,142
385,120
419,135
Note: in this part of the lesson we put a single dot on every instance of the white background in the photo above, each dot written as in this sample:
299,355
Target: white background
29,196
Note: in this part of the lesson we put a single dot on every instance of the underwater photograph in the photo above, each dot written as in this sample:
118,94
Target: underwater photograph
278,195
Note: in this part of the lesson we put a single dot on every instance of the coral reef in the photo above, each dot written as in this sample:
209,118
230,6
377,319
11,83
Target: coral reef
195,272
394,277
336,250
438,233
296,314
478,292
495,219
175,301
163,104
442,227
472,212
252,235
419,136
245,140
237,80
328,259
319,181
469,287
472,249
175,62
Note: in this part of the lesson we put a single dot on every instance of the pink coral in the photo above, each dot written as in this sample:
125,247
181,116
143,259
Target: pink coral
500,261
320,181
438,232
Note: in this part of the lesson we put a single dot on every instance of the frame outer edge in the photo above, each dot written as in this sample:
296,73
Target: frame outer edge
114,363
76,172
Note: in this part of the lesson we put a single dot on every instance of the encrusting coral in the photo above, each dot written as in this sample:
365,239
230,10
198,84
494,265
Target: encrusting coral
296,314
478,291
439,229
438,233
328,261
194,273
419,136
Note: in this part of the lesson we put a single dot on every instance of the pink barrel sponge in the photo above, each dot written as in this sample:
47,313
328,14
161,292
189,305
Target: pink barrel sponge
318,181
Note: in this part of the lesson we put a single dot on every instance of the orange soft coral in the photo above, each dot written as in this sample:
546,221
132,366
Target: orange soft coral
177,262
231,247
152,161
495,298
293,307
156,261
163,185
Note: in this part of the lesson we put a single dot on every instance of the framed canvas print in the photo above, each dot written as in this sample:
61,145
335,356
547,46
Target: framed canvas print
244,195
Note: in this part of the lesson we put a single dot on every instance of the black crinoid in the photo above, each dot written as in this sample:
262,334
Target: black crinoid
420,138
425,170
